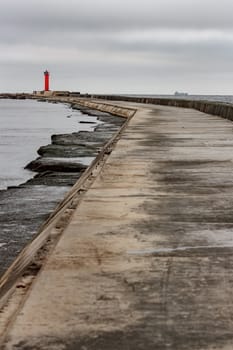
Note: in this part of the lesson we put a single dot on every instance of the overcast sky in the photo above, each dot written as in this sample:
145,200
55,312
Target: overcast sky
117,46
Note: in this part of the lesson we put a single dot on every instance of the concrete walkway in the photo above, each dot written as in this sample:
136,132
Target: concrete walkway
146,261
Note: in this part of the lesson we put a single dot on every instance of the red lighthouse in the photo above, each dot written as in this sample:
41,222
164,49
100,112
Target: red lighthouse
46,81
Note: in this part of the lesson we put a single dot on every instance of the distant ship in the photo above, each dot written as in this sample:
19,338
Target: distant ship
177,93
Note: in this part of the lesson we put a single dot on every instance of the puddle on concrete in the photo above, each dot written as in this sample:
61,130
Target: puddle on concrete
214,236
187,249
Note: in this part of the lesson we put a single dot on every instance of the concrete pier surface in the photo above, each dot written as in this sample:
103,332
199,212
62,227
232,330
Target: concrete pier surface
146,261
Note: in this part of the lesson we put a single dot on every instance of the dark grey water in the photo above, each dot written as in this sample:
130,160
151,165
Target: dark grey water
25,125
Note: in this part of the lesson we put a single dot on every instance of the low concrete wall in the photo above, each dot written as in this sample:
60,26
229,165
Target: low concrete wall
108,108
216,108
118,111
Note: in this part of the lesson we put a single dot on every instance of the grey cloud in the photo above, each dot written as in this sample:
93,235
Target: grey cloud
112,15
113,44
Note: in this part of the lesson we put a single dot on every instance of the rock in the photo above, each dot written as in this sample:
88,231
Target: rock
52,178
102,116
109,119
42,164
86,122
88,111
67,151
81,138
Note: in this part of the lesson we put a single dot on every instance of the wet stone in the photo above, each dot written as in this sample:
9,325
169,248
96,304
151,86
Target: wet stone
81,138
67,151
52,178
42,164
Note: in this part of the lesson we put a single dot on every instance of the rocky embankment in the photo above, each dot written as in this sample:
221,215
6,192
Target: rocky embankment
64,160
23,209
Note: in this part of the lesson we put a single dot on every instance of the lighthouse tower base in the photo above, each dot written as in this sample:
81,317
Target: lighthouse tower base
43,93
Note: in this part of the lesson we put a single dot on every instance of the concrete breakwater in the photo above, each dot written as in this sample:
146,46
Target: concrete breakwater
220,109
44,230
146,259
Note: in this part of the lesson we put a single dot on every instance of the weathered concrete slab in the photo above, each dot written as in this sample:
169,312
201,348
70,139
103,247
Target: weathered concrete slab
146,262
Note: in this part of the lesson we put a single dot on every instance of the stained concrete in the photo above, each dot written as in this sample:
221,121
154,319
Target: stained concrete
146,261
